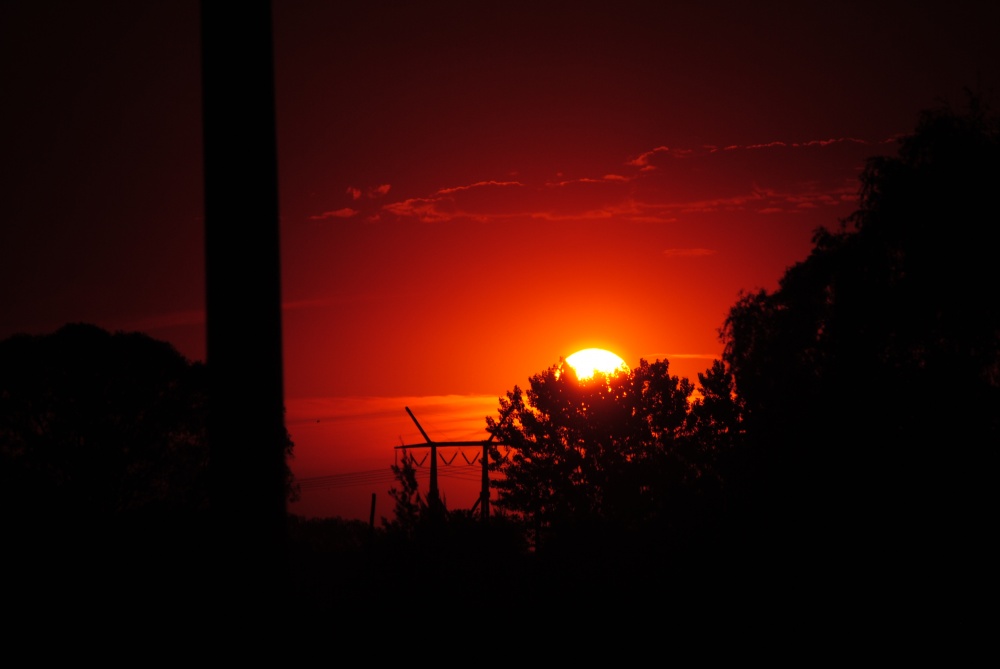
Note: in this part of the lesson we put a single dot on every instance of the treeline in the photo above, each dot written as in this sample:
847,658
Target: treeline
844,440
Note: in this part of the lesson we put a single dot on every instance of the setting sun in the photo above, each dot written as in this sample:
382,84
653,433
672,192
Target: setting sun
591,360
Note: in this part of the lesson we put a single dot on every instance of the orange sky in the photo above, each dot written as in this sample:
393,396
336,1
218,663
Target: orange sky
467,193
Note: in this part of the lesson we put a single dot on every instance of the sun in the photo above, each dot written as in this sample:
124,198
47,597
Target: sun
591,360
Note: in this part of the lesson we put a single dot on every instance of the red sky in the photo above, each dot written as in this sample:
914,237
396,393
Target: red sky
468,193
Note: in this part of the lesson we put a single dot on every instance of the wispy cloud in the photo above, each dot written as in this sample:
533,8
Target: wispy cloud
589,180
382,422
645,161
478,184
810,143
373,192
347,445
346,212
661,185
424,209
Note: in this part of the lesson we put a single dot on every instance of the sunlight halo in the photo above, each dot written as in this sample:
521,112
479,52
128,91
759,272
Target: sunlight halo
590,360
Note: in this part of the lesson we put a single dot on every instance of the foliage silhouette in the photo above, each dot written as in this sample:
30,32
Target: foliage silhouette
620,454
98,425
871,376
408,505
413,520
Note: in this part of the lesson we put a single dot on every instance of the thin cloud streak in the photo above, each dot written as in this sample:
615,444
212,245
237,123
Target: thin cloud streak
355,440
656,187
444,417
478,184
346,212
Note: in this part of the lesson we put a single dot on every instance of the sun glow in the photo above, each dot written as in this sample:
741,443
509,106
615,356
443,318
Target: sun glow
591,360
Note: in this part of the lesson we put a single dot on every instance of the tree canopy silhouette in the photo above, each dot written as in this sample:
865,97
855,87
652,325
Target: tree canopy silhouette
99,425
625,451
871,376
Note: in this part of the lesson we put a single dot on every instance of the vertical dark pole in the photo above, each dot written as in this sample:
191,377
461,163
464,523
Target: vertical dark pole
243,301
433,495
484,492
433,498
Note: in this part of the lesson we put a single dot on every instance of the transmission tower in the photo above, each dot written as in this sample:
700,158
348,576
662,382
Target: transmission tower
433,497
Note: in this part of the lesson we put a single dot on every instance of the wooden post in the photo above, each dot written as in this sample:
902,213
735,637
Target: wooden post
246,429
484,493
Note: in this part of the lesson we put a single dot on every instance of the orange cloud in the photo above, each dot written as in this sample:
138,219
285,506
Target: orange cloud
809,143
478,184
346,212
427,210
645,160
777,177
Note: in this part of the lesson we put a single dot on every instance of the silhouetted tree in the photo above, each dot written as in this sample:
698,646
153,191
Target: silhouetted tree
715,417
871,376
622,452
409,504
99,425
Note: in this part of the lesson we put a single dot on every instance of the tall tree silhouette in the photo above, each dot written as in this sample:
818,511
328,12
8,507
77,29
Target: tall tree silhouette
409,505
95,425
620,452
871,376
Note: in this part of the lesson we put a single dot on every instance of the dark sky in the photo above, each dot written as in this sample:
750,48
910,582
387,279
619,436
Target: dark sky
468,191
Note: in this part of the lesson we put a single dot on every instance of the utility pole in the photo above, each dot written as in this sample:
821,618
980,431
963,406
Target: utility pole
433,498
246,430
484,491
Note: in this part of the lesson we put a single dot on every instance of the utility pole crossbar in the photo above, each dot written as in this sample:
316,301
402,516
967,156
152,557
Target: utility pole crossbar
433,498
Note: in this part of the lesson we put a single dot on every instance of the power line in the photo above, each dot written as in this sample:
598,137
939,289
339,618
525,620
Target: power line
349,479
375,476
